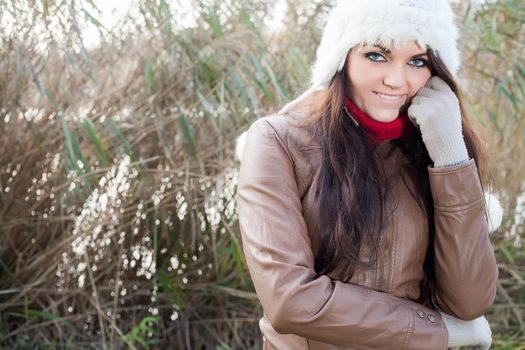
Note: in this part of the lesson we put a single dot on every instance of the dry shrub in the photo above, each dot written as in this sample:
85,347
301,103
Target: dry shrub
117,175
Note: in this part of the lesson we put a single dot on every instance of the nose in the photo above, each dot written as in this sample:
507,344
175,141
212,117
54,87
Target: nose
395,77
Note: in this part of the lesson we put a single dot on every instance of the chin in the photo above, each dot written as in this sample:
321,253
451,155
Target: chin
385,116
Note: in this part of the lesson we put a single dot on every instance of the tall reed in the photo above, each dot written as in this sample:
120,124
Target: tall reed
117,176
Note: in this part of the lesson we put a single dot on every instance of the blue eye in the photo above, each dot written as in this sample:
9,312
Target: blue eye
377,57
421,63
373,56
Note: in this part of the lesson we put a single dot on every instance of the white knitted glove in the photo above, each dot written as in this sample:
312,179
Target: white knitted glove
435,109
464,333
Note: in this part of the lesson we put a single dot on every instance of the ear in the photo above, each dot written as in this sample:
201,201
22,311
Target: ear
239,145
494,211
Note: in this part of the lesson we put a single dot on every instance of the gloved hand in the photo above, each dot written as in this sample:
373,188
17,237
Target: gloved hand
435,109
463,333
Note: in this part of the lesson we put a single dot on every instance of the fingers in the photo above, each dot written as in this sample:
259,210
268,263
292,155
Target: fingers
416,112
437,88
426,92
421,100
438,84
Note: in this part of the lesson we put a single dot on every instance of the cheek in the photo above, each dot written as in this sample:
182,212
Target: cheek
363,80
419,81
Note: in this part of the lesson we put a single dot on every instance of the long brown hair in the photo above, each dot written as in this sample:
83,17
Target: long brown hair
351,193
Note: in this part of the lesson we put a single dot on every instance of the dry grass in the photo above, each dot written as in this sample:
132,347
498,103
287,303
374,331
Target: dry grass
117,176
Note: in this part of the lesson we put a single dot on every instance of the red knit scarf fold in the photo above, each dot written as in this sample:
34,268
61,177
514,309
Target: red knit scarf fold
399,128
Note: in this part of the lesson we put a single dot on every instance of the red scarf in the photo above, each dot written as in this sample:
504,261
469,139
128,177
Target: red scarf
399,128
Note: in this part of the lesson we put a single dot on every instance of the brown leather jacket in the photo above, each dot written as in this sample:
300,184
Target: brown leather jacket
304,310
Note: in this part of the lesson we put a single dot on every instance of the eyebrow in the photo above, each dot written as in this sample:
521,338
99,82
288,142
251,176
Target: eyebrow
388,52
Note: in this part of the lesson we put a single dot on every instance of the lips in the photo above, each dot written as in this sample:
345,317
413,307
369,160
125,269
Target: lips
391,99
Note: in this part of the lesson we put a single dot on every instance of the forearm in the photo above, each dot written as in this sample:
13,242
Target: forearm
278,252
466,270
296,301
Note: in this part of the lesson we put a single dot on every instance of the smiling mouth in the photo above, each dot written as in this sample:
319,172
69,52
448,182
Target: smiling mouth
391,98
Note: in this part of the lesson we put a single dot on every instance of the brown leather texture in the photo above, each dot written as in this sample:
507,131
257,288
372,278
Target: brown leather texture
375,309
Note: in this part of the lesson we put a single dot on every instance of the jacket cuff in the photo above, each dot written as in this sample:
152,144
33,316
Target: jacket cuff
455,187
426,327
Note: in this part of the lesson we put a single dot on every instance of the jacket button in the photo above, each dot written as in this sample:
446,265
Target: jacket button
432,318
421,313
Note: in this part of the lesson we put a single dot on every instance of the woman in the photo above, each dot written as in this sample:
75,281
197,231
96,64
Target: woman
360,203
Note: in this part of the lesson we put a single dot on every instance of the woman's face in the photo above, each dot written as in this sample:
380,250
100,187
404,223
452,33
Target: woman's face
383,82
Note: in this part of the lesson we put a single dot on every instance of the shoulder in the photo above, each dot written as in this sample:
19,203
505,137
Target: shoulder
287,129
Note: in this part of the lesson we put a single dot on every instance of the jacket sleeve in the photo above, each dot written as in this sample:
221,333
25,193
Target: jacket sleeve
465,264
295,299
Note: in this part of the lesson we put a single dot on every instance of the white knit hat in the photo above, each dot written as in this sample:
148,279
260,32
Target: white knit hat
384,22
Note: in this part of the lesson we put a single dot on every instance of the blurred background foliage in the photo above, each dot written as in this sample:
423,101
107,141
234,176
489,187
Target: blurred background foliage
117,169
